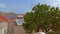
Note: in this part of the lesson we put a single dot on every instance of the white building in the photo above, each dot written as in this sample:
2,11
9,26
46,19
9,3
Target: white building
3,27
20,19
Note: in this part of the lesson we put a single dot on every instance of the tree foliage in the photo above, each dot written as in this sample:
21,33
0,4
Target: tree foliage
44,16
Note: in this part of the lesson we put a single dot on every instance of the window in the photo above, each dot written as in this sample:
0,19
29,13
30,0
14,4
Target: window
20,17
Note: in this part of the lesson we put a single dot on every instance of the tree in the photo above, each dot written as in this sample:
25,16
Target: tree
28,26
44,17
42,14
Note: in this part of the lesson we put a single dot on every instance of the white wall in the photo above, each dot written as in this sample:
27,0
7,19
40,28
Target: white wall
19,21
5,25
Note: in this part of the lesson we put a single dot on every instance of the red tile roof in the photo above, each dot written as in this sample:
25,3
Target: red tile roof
3,18
13,19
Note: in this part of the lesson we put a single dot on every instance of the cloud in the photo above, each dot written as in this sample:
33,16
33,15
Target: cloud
51,2
3,6
56,3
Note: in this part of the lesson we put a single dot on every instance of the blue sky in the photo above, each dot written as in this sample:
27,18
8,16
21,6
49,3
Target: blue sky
23,6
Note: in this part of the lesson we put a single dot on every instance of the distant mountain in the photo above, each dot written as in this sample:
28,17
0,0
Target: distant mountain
8,14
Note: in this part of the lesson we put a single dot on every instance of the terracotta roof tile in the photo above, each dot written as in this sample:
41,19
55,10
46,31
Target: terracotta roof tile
14,19
3,18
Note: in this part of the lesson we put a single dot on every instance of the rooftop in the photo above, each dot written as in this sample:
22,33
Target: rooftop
3,18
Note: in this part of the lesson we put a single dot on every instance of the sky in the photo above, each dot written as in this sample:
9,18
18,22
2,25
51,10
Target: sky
23,6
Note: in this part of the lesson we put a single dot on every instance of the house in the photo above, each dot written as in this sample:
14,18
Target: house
3,28
3,24
19,19
11,25
15,25
19,28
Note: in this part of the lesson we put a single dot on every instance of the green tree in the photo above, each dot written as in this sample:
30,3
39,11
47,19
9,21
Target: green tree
44,17
28,26
42,14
